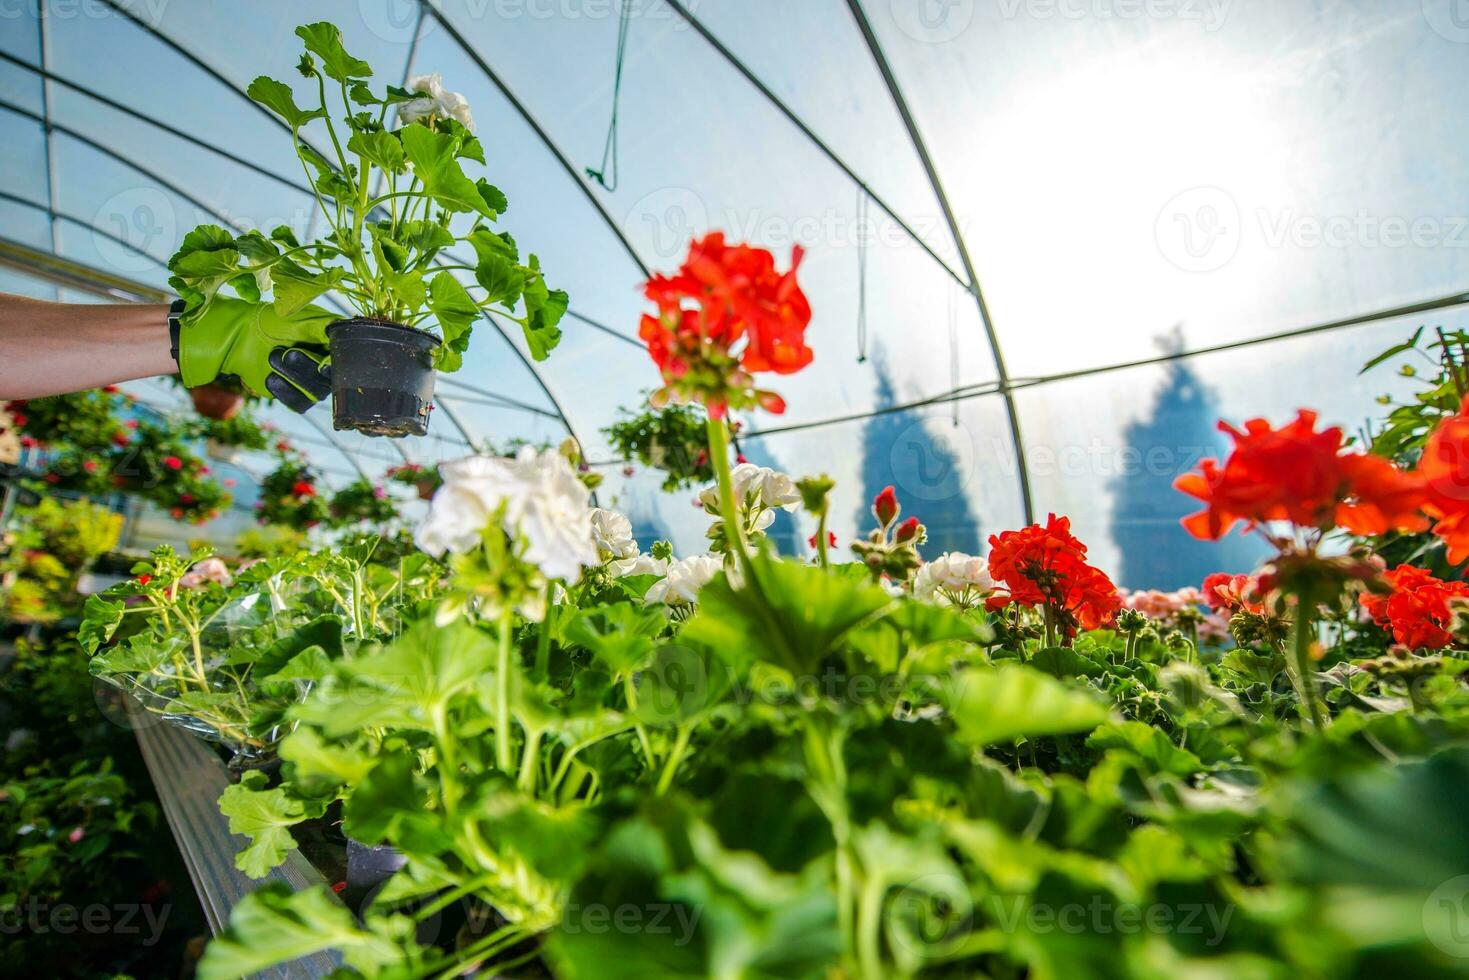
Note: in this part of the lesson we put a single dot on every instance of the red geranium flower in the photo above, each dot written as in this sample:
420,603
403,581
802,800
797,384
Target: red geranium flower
120,439
1444,467
1226,593
831,540
144,579
1046,566
303,488
173,462
725,315
1417,608
90,465
1299,475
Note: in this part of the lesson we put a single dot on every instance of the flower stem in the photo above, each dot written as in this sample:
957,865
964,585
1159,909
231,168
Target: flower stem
734,532
1301,649
821,555
680,746
503,757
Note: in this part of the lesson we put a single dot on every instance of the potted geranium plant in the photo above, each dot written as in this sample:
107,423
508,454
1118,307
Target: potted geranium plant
361,501
226,438
288,495
425,479
380,252
670,439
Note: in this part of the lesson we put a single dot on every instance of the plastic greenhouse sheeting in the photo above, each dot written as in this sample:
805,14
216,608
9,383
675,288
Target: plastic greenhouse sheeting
1093,226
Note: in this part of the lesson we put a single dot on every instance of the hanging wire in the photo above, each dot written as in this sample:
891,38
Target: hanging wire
609,148
861,230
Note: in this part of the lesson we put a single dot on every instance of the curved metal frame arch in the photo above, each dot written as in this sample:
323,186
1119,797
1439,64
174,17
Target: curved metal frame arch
889,79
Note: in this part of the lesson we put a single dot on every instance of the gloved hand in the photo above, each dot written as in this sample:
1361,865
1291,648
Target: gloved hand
275,356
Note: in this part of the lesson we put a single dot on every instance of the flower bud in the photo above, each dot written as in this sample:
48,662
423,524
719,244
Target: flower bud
885,507
909,530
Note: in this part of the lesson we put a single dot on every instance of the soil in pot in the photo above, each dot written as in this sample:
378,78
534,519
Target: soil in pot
214,402
382,377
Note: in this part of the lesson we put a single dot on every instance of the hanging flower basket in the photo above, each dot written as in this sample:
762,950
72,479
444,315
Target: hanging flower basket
216,402
221,452
382,377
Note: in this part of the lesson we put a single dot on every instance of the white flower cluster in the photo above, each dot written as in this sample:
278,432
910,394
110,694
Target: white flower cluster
953,578
433,101
759,491
684,580
618,549
544,503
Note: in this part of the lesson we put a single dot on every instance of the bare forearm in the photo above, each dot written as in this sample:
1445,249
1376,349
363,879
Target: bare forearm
53,348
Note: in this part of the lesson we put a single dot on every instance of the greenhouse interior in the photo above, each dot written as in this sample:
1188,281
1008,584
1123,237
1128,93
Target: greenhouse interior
734,488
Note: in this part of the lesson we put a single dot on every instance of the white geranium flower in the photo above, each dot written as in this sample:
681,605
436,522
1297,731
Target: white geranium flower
434,101
684,580
613,534
543,499
639,565
755,487
953,578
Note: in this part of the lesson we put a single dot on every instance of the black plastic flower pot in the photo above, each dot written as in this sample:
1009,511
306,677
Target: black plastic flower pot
382,377
368,866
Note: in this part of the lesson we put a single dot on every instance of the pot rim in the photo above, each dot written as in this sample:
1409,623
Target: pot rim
381,322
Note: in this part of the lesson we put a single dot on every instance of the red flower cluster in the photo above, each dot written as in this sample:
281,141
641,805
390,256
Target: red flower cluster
1299,475
721,296
1226,593
1444,467
303,488
1417,608
1046,566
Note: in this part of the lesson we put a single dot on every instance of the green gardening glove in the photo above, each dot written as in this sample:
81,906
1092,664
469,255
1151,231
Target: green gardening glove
275,356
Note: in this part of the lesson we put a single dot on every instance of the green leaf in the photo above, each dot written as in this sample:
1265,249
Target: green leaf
324,40
382,149
294,287
1393,351
620,635
323,765
275,925
432,156
425,236
455,311
544,308
265,816
1012,702
494,198
804,613
497,268
100,619
206,259
406,683
1147,743
278,98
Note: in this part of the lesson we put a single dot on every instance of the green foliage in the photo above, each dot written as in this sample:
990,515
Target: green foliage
53,544
359,502
670,439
